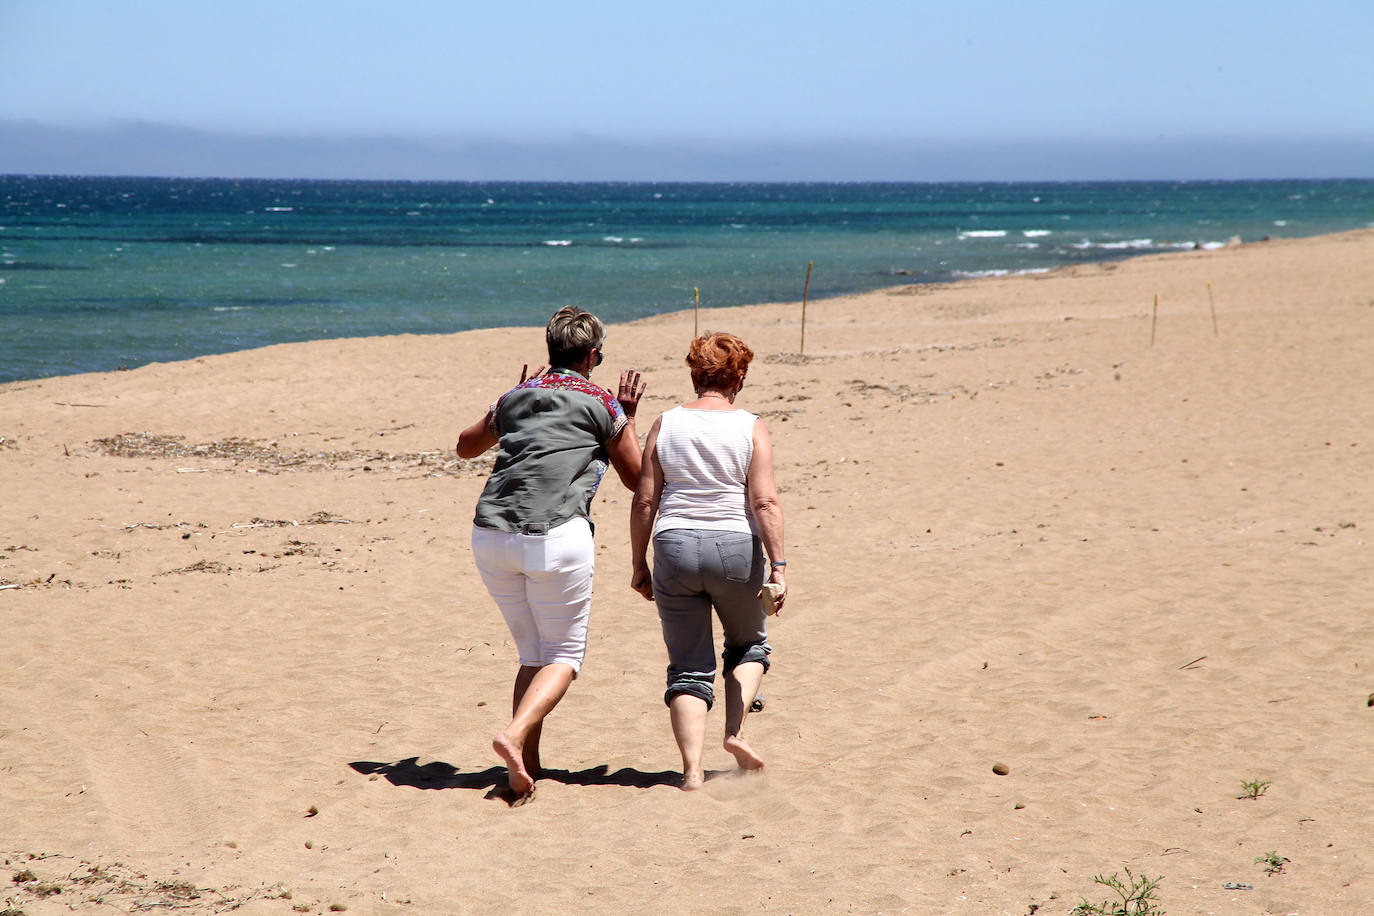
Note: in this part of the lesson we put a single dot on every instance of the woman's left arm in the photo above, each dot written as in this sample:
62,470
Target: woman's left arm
763,499
623,450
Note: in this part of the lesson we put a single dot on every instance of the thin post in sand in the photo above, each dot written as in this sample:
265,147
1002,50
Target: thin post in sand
806,289
1154,317
1213,306
696,313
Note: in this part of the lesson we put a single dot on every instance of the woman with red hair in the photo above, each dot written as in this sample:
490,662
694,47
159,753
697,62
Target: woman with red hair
707,499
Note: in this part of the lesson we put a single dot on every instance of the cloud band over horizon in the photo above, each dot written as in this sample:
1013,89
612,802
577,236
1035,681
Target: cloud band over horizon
160,150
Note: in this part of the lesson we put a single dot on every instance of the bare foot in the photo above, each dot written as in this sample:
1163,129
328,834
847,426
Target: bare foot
520,782
693,781
743,753
517,800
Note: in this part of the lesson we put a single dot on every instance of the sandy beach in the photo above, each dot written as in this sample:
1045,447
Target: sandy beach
247,663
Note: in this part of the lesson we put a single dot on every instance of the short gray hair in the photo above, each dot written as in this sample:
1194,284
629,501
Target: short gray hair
572,334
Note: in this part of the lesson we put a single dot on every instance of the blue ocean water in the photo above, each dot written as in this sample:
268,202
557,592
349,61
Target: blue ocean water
102,273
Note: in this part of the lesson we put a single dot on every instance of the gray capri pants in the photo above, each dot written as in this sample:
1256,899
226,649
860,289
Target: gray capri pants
695,570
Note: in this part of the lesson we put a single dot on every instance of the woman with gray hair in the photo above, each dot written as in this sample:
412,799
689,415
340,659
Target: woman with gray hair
532,534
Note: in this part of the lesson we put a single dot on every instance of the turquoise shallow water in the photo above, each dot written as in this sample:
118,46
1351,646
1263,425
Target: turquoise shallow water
97,273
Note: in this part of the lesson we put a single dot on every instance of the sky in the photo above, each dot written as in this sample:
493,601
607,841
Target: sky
737,90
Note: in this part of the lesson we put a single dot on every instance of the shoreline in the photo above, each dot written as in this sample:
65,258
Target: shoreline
894,289
1121,556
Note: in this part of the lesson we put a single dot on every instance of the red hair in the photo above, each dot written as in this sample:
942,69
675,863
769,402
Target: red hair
718,361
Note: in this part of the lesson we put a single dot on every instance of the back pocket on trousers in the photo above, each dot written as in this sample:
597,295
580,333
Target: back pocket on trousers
736,557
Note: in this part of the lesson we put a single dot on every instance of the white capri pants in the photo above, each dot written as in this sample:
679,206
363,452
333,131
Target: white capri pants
543,586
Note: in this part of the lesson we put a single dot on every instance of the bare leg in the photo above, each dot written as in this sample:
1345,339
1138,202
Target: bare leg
530,754
546,687
688,715
741,686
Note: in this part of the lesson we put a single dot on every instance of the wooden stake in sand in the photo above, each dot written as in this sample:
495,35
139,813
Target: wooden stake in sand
805,291
696,313
1213,306
1154,316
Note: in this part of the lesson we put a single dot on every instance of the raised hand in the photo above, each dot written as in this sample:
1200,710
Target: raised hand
631,390
524,373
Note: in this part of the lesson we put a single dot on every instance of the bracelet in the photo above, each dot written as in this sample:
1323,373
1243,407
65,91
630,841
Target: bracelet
776,563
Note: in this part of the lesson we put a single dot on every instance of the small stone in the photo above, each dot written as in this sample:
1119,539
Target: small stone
1001,769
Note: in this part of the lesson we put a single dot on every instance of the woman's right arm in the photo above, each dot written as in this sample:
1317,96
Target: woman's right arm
763,499
477,438
643,508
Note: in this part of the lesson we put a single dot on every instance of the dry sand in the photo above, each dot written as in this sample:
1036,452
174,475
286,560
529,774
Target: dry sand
247,661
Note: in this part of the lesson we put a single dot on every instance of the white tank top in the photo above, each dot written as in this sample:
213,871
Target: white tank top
705,456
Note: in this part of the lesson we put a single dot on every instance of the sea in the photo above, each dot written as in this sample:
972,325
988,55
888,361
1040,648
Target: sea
100,274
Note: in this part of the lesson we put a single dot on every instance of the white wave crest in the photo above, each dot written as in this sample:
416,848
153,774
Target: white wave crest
1002,272
982,233
1036,233
558,243
1142,244
1114,246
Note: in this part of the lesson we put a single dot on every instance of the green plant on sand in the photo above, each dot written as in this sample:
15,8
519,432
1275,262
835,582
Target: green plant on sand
1136,897
1273,862
1253,788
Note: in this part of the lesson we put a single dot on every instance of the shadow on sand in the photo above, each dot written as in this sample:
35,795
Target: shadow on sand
436,774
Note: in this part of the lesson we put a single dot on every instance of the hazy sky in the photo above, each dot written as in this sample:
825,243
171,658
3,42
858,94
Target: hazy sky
748,84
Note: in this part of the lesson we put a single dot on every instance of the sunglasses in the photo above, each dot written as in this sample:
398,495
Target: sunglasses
599,356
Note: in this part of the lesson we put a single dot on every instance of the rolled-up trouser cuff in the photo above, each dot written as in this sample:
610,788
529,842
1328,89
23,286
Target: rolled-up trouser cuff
690,688
734,656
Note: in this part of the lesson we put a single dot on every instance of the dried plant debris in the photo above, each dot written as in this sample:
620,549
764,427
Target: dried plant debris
865,389
319,518
154,526
269,455
48,581
76,884
295,548
209,566
795,359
